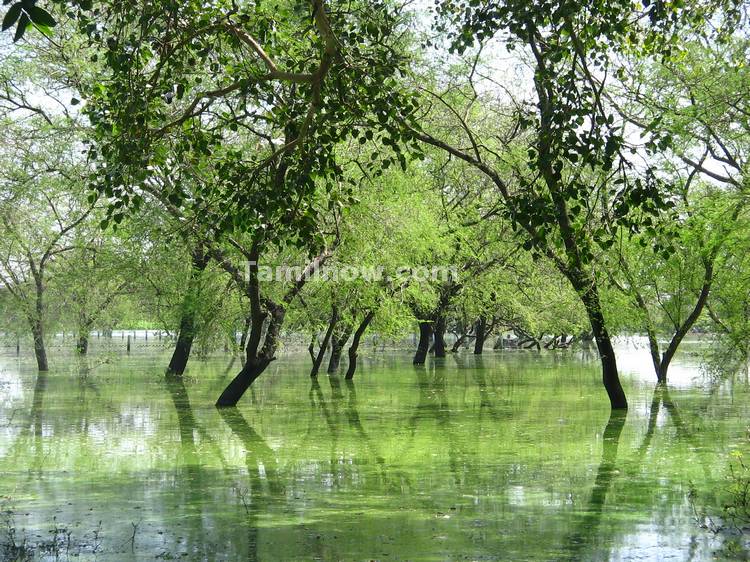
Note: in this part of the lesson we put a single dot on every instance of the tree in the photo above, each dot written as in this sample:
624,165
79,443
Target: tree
244,145
39,212
574,181
696,101
670,294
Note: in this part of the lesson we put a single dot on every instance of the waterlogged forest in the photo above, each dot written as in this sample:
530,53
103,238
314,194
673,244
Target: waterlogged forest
374,280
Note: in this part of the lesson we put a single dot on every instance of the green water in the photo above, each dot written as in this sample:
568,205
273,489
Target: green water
510,456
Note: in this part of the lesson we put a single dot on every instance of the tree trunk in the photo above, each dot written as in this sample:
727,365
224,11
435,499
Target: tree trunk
439,345
233,392
337,347
684,328
40,350
355,344
480,330
425,333
82,346
181,352
274,312
245,331
324,344
186,335
589,295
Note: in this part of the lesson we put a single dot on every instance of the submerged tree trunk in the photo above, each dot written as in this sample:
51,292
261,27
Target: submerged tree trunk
589,294
37,322
82,345
186,335
274,315
355,344
40,351
425,333
338,341
481,334
233,392
439,345
318,359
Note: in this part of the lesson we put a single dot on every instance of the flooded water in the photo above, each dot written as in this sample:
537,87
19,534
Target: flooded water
506,456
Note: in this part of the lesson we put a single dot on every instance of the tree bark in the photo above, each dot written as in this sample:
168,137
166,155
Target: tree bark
82,345
589,294
481,333
245,331
338,341
186,334
359,332
425,333
40,351
324,344
439,332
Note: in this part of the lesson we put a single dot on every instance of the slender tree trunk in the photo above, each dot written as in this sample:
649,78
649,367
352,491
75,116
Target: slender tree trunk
37,321
359,332
274,315
574,267
82,345
589,294
481,332
40,351
324,344
439,345
338,341
423,346
186,335
245,331
684,328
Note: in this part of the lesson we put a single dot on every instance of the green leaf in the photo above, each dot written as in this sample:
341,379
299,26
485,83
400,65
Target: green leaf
74,101
10,18
40,16
23,21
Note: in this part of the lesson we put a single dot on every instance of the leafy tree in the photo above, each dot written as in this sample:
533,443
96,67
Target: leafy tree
40,210
575,181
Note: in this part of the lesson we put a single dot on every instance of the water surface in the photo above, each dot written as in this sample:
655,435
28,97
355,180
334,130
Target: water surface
508,456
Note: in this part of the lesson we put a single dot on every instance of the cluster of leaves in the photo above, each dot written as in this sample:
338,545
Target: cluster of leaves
25,14
576,152
247,106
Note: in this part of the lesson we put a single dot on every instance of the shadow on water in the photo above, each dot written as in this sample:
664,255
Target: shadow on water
186,423
586,530
352,414
260,461
685,434
433,405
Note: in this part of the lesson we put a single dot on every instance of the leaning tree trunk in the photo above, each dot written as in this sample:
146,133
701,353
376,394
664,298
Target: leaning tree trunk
186,335
439,345
40,351
256,362
355,344
425,333
318,360
684,328
274,314
589,294
337,347
480,330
